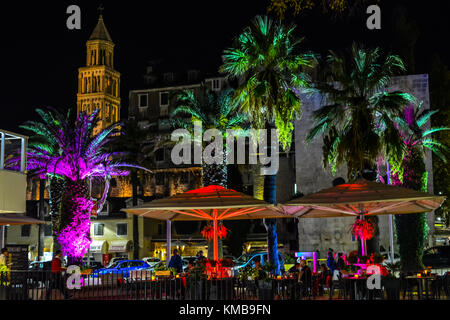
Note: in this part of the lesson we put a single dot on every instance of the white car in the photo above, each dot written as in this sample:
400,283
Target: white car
152,261
387,256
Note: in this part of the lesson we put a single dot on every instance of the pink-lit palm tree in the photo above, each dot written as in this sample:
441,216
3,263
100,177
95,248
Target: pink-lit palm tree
410,172
67,152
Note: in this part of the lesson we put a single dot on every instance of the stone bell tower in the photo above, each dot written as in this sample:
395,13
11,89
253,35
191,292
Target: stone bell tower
98,82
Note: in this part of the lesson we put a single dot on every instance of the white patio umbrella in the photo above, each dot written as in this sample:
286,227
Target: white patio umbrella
211,203
362,198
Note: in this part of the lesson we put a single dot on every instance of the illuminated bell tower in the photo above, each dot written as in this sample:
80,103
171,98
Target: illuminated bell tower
98,82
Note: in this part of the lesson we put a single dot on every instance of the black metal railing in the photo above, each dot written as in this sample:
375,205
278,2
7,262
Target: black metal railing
144,285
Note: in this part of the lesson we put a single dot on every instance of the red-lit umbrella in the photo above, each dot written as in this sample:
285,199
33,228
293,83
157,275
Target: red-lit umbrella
212,203
362,198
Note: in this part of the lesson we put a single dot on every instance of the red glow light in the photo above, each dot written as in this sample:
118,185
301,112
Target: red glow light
210,189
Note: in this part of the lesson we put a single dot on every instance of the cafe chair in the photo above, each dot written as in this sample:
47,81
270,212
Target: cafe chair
340,286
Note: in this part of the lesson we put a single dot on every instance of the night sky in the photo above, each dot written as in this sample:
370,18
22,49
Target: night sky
40,56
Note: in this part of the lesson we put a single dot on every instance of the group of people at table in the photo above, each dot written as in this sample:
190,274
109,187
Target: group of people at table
329,274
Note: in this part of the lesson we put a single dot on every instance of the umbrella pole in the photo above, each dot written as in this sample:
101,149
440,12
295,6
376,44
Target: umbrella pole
391,237
168,240
391,227
363,242
216,244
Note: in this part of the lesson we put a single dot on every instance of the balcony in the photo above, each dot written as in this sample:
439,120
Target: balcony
13,183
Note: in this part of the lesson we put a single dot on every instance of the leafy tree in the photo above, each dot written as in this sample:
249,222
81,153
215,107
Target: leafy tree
265,58
335,8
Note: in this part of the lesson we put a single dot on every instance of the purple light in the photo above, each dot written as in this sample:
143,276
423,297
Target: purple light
74,237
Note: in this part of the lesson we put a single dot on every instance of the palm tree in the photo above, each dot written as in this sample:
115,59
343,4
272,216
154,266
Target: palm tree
266,61
214,111
410,172
357,123
139,148
72,153
44,136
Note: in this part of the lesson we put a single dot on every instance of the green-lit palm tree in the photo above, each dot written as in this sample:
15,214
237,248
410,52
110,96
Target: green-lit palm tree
410,172
357,122
214,111
266,60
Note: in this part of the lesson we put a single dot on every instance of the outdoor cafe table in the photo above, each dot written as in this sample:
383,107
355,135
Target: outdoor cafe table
420,284
357,286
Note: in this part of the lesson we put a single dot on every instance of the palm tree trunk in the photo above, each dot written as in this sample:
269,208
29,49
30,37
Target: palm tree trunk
41,217
412,229
56,189
134,183
258,182
270,196
215,174
75,220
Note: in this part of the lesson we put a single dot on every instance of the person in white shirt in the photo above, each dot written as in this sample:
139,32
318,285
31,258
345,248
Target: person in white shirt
4,257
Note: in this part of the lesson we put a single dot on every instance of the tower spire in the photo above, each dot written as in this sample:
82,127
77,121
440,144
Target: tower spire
100,10
100,32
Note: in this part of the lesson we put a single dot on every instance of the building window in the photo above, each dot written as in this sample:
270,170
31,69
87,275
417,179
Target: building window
99,229
192,75
216,84
168,77
122,229
26,230
143,100
48,230
163,98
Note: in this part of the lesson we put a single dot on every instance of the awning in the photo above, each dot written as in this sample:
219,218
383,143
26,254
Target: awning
14,219
99,246
120,246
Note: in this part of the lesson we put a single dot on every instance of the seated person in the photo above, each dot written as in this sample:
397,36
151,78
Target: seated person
340,262
324,277
304,275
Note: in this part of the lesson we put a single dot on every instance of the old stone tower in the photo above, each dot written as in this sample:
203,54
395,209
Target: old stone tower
98,82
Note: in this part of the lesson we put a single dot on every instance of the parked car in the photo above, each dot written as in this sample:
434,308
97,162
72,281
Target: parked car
249,259
152,261
40,266
163,263
155,266
437,257
190,259
122,267
114,260
230,257
94,265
